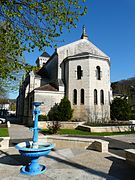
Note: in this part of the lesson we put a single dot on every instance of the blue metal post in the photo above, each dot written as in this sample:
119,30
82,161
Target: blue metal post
35,129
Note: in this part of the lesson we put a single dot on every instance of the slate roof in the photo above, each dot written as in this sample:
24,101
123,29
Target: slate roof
45,54
47,87
81,54
42,72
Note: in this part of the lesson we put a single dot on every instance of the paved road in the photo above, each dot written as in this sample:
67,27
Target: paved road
118,144
19,133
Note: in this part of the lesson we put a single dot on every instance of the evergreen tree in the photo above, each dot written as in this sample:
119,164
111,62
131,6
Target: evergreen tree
53,114
120,109
65,110
61,112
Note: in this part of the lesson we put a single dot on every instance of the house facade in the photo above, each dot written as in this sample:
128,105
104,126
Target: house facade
78,70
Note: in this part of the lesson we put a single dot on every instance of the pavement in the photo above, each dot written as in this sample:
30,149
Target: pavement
19,133
118,144
67,163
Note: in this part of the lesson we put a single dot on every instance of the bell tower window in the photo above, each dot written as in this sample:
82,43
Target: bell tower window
79,72
98,73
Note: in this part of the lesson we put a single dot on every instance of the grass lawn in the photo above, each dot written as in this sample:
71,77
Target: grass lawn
4,132
79,132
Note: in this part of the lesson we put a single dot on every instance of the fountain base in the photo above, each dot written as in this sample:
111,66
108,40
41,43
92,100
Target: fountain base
33,168
25,170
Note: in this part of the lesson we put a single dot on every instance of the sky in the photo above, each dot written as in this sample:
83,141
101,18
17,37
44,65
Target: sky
110,25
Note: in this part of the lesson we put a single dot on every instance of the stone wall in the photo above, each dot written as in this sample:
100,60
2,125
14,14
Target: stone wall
49,98
52,69
106,128
88,82
4,142
64,124
75,142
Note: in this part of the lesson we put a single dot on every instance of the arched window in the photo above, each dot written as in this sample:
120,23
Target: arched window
75,96
95,96
82,96
98,73
79,72
102,97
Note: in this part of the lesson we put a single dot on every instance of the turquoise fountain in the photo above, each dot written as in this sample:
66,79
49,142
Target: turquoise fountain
33,149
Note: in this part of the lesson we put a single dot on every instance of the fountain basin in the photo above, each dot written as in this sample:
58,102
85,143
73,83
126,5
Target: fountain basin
25,149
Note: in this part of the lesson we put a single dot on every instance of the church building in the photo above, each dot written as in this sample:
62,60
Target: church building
78,70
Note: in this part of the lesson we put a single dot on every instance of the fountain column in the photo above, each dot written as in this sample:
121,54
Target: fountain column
36,112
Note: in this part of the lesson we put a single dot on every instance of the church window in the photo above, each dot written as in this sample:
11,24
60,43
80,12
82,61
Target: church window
98,73
75,96
102,97
82,96
79,72
95,96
